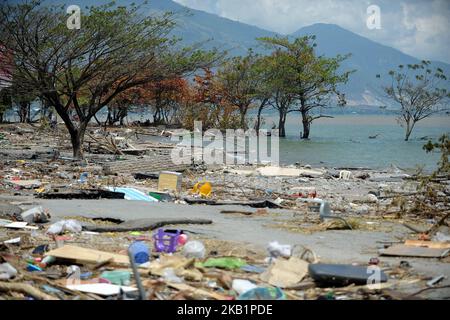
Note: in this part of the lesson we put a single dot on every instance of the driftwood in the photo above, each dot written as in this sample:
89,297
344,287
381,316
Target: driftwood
434,228
26,289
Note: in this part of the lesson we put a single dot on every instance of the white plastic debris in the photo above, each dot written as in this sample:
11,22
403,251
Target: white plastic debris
441,237
371,198
35,215
279,250
65,225
242,286
170,276
194,249
7,271
12,241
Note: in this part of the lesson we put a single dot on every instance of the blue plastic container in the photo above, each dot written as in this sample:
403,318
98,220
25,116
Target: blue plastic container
141,252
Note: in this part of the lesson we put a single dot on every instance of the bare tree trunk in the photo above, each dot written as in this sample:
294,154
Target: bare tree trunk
77,139
258,118
306,125
243,125
282,124
1,117
24,112
409,129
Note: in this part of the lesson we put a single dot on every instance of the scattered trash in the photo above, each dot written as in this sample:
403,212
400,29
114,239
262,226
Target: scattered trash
242,286
252,269
35,215
40,249
341,274
194,249
279,250
83,177
263,293
166,240
435,280
65,225
170,276
440,237
204,189
85,255
7,271
32,268
170,181
223,263
133,194
140,252
285,273
12,241
118,277
102,289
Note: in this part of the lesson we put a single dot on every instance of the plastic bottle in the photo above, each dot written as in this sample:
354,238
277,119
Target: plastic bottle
141,252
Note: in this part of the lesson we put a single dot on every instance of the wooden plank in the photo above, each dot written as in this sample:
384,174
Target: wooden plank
428,244
401,250
197,291
85,255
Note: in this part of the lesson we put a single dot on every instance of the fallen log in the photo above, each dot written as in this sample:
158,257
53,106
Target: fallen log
26,289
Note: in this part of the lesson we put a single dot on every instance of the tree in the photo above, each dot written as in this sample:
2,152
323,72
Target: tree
419,92
116,49
5,101
240,81
164,98
312,80
5,80
205,102
277,90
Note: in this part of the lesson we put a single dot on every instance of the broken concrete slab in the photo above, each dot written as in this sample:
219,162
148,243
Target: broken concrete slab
144,224
401,250
81,194
253,204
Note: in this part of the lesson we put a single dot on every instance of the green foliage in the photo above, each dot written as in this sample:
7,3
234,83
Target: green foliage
443,146
300,78
419,92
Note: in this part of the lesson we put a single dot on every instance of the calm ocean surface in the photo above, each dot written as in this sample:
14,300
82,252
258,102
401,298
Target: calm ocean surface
344,141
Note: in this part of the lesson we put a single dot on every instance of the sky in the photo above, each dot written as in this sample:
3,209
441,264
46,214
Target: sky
420,28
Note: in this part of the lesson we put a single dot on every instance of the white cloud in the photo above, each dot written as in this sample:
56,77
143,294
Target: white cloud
417,27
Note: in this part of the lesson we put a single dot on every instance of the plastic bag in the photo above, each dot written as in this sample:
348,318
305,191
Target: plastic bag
7,271
194,249
170,276
65,225
35,215
279,250
242,286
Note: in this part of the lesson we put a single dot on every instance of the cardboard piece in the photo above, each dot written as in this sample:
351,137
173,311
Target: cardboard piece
85,255
197,291
170,181
285,273
401,250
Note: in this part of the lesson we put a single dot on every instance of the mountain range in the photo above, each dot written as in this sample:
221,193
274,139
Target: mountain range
368,57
